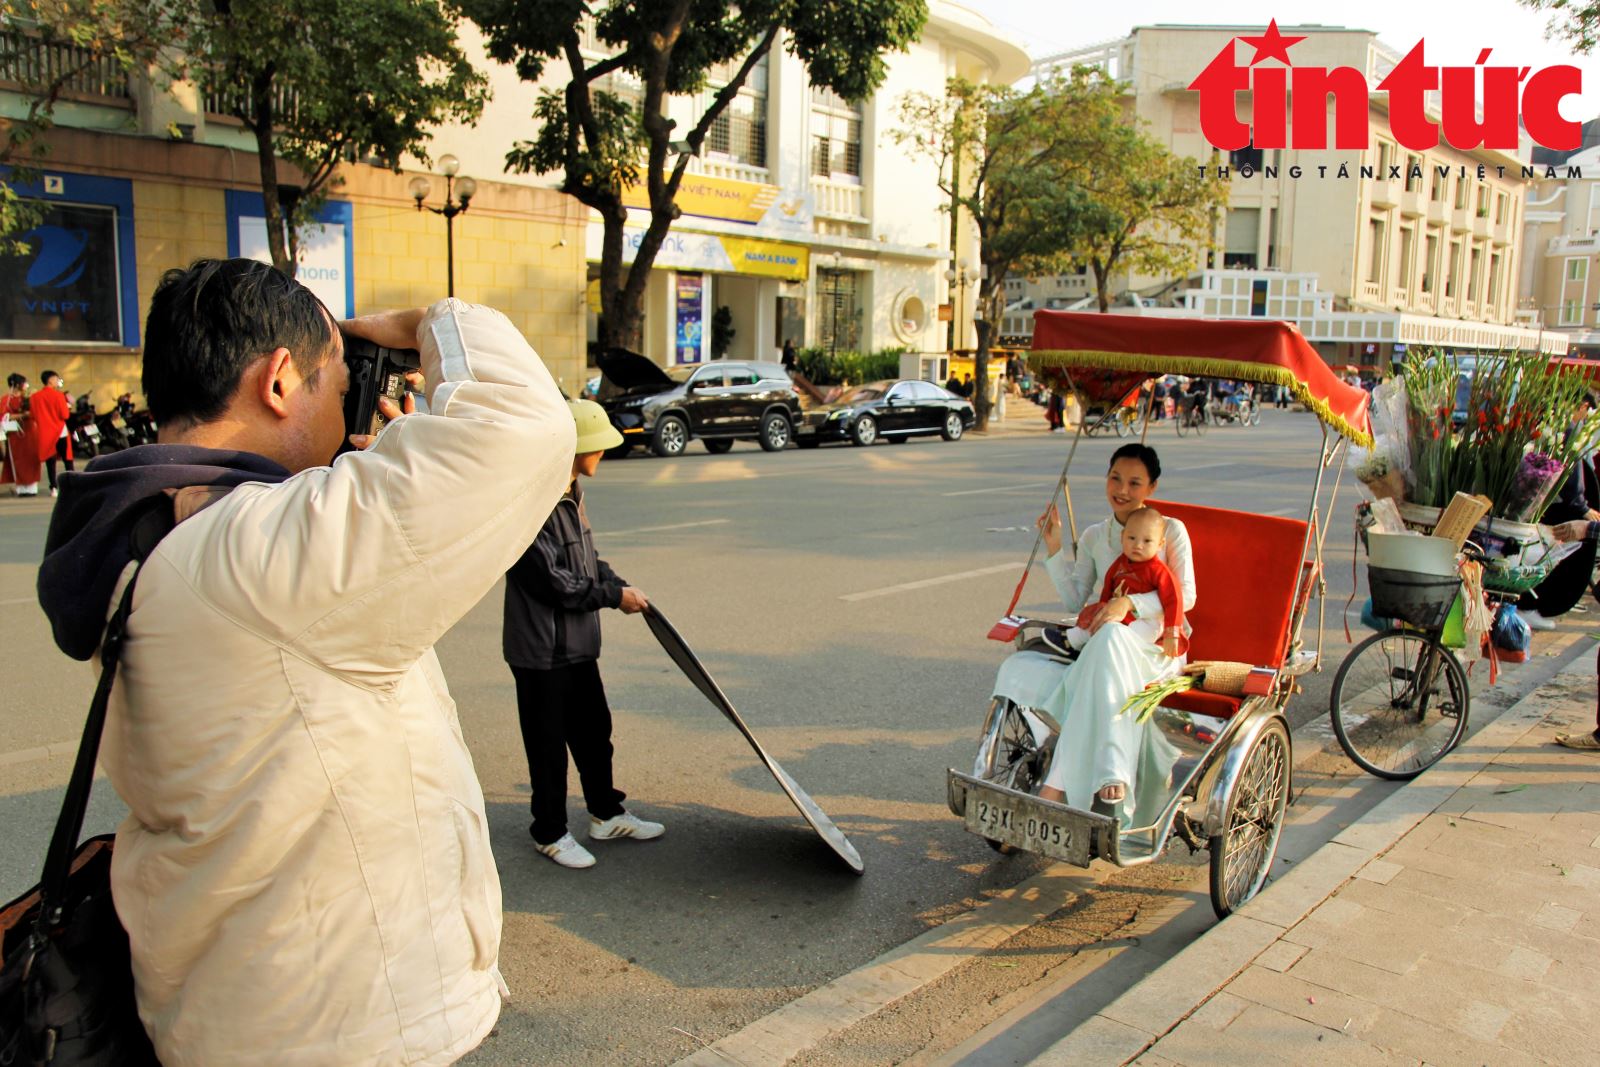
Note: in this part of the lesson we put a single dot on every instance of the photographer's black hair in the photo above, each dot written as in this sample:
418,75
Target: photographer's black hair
211,320
47,375
1144,454
14,379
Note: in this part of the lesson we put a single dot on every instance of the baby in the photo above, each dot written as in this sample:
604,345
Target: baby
1140,570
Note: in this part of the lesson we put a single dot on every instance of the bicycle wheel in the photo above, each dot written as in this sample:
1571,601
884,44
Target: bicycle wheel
1181,423
1399,703
1008,755
1200,422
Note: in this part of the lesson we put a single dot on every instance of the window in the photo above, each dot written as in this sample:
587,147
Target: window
742,376
835,136
1577,270
623,85
1430,262
1248,156
67,286
1494,279
838,310
1407,247
1571,312
1594,209
1436,193
1242,239
1385,158
1453,270
1272,238
1461,194
707,378
740,132
1483,202
1375,234
1413,173
1474,273
1500,208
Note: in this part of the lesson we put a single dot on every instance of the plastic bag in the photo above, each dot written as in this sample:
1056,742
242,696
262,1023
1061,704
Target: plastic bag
1510,633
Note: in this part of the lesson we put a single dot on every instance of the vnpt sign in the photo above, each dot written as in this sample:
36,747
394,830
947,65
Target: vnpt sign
1470,116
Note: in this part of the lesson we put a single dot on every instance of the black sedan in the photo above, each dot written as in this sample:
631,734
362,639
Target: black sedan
892,410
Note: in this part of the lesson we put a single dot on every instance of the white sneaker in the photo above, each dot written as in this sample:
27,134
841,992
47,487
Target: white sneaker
568,853
1536,621
625,825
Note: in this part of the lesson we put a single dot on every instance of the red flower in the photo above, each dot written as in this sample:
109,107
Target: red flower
1536,435
1436,433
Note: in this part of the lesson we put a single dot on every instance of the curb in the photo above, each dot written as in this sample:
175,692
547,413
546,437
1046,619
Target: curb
1127,1027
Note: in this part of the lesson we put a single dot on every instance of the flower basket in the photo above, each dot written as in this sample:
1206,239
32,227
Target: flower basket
1519,553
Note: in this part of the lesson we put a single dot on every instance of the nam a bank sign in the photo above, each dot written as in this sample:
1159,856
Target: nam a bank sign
717,253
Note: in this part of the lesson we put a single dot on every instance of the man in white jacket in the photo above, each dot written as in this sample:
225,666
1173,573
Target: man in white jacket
305,872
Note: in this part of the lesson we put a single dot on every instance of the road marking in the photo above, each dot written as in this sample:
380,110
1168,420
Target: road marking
1202,467
906,587
995,489
659,529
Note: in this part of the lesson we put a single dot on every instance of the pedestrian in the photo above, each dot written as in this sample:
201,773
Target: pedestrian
50,408
1588,531
1577,500
1054,412
966,386
952,384
21,466
304,871
789,355
551,641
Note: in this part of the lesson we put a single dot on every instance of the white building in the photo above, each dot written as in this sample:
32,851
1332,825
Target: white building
803,217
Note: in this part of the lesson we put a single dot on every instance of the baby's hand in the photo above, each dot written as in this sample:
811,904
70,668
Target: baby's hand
1169,646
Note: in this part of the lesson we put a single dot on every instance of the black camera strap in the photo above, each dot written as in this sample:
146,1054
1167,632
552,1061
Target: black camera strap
153,524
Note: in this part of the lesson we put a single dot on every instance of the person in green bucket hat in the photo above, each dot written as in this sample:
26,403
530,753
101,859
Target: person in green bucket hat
551,641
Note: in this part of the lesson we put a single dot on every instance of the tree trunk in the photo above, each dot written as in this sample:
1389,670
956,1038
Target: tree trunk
980,373
1102,286
267,158
621,320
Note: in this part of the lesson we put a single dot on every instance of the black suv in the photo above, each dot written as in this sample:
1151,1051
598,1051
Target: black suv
720,402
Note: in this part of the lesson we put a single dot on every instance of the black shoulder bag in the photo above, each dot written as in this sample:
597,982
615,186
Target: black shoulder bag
66,979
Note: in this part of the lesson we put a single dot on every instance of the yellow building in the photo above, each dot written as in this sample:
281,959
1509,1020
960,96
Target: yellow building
126,201
1561,276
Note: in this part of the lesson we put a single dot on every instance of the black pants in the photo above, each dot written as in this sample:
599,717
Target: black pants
61,455
560,709
1565,586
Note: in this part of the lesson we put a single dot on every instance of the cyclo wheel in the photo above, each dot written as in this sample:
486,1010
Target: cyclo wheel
1181,423
1008,755
1124,423
1200,421
1252,821
1399,702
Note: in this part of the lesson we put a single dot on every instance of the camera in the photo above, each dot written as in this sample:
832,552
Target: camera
375,372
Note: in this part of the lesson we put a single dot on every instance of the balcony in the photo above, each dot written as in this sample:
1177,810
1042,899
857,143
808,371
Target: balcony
32,61
837,200
1371,293
1501,234
1575,246
1385,193
1481,226
1461,220
1413,202
728,170
1438,212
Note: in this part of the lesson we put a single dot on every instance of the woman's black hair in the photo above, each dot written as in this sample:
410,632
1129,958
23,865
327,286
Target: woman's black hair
1144,454
13,380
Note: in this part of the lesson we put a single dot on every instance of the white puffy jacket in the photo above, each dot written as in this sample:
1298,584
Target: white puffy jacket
305,875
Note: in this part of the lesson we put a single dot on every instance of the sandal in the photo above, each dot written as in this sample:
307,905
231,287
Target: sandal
1581,742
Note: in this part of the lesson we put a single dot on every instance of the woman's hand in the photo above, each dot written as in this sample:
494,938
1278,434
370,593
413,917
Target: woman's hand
1115,610
1050,527
1576,530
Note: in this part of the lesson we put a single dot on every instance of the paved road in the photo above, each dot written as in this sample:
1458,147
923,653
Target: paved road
840,597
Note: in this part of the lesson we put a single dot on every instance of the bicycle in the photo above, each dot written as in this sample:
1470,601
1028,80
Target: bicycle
1191,416
1400,699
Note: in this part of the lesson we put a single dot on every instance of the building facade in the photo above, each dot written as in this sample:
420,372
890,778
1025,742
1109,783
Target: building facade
1561,235
802,216
1364,262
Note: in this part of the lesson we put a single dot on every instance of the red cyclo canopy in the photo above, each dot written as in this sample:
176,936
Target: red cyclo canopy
1106,356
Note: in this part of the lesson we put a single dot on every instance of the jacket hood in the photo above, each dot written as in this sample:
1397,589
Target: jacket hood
630,372
89,543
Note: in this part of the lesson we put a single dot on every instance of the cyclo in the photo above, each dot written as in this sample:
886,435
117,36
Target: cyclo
1225,742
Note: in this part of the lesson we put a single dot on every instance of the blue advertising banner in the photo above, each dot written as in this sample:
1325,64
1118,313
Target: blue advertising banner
691,317
76,281
327,247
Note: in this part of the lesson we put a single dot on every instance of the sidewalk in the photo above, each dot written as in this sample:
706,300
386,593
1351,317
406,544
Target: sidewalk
1458,922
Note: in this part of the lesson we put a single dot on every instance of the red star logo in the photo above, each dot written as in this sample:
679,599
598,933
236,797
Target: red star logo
1272,45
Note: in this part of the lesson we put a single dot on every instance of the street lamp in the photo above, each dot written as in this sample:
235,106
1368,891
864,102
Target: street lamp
458,192
958,276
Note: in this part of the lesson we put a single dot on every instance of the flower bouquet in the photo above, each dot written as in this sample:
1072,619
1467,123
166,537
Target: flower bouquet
1381,477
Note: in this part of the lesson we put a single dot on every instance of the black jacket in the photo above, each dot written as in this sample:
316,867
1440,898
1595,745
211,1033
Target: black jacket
554,593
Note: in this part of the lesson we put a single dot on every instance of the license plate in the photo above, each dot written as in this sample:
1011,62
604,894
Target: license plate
1021,824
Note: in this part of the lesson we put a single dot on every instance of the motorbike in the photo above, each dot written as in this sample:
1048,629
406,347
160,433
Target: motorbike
139,426
82,429
1216,773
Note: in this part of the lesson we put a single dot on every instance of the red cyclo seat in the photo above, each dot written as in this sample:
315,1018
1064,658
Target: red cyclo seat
1245,568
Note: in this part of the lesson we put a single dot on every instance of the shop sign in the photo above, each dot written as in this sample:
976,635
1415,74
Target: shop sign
326,248
685,249
691,318
734,201
65,286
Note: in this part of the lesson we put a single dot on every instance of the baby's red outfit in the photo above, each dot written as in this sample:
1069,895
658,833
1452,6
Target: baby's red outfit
1150,576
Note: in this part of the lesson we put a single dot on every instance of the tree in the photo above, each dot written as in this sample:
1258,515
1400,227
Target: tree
1581,25
1017,163
1147,212
319,83
599,142
105,38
